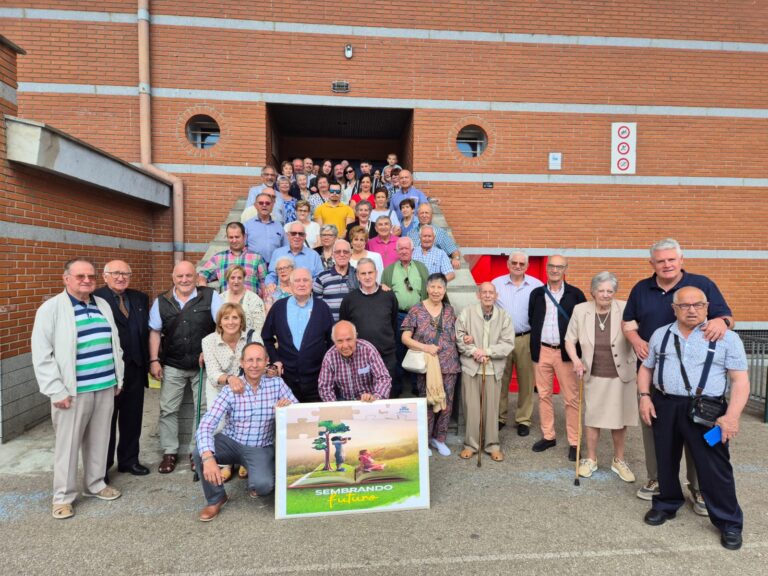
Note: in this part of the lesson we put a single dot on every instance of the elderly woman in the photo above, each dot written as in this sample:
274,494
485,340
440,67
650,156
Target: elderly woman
430,327
311,228
358,238
236,293
221,353
328,235
607,364
362,220
284,266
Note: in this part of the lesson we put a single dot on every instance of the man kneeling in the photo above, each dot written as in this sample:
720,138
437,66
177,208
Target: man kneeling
248,436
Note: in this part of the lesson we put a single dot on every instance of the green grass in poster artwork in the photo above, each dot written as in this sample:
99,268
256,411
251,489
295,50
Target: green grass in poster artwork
306,501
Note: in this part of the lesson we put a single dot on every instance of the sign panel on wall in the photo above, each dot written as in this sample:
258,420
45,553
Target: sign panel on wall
345,457
623,147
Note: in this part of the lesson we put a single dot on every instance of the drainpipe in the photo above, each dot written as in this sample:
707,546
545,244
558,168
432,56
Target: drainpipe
145,133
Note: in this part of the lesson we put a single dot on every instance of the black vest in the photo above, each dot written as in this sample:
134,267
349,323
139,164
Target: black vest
181,346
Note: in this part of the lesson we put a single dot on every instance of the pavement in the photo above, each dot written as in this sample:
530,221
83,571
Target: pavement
521,516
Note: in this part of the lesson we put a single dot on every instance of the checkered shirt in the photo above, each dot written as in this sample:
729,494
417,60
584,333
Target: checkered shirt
348,378
253,263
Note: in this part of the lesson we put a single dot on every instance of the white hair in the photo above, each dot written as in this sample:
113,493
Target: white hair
667,244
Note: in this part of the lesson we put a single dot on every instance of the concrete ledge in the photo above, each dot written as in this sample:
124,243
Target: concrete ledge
48,149
21,404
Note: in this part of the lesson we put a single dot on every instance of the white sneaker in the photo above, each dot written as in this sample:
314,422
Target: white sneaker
586,467
620,467
441,448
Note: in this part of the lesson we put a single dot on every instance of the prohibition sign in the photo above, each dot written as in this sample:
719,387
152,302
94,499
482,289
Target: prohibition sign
624,132
623,148
623,164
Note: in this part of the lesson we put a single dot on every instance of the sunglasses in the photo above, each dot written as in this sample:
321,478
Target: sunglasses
267,203
334,191
84,277
408,285
297,233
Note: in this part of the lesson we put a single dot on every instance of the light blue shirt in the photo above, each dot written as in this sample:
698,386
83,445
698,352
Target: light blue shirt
155,323
298,318
264,238
307,258
278,210
514,299
729,355
418,197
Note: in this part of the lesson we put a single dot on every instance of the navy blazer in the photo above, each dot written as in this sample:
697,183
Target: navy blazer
300,368
134,330
537,309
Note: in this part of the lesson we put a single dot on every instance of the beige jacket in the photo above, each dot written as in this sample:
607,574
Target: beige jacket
501,337
581,329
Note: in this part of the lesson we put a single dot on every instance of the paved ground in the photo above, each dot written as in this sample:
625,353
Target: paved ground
522,516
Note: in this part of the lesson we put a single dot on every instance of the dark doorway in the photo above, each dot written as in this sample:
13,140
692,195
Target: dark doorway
338,132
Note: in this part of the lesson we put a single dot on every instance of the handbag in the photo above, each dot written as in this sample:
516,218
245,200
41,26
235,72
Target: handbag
414,360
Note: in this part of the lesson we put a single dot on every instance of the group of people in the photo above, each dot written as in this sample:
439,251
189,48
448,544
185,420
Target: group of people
295,322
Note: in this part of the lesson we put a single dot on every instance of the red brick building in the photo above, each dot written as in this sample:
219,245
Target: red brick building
536,77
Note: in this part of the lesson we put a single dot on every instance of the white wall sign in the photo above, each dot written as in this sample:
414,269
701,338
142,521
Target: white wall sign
623,147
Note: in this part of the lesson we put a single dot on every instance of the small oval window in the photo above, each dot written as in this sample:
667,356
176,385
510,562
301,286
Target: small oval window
472,141
203,131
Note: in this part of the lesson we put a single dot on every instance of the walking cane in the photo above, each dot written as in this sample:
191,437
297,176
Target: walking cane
482,417
578,444
196,477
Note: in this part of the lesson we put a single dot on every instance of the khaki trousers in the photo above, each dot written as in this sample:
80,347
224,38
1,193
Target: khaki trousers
470,395
171,397
551,364
83,427
519,358
649,445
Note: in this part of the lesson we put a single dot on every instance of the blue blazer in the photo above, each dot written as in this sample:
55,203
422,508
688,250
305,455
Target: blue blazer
300,368
134,330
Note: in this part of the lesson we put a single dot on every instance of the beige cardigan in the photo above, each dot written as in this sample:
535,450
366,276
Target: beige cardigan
501,336
581,329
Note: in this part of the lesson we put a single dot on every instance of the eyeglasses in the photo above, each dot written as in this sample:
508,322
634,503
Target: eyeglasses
84,277
558,267
342,251
267,203
297,233
695,306
268,174
334,191
283,268
407,283
517,264
120,274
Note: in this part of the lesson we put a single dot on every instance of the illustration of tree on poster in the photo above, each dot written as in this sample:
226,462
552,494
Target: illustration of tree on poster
345,457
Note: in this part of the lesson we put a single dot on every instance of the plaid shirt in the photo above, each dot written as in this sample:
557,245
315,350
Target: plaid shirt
255,268
250,416
434,259
348,378
442,239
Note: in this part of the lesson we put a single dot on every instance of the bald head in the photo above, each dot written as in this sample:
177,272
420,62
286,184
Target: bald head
344,336
184,277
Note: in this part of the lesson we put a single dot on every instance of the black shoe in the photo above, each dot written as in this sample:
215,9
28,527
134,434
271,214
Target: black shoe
523,430
502,424
731,540
135,469
657,517
544,444
106,479
572,453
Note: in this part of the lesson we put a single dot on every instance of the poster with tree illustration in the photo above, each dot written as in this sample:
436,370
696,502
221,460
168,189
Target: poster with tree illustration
345,457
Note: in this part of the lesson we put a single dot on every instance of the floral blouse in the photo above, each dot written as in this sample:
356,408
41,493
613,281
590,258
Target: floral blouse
423,330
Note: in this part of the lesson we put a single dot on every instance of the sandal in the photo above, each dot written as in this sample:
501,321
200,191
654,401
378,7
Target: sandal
466,454
168,464
497,456
63,511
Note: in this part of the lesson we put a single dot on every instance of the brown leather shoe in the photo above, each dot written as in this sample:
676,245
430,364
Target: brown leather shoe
212,510
168,464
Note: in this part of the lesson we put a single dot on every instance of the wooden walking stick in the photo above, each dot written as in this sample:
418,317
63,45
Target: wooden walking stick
482,417
576,482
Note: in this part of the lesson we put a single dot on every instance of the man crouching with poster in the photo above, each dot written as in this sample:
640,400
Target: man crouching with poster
248,436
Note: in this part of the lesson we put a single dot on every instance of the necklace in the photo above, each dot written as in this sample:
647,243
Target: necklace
603,321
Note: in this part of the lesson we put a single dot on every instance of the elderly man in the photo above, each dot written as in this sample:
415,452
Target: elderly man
352,369
130,309
181,318
78,364
215,269
431,256
264,235
334,212
407,190
407,278
373,311
513,295
549,311
485,336
297,334
268,177
248,436
649,308
384,243
303,255
332,285
683,363
442,239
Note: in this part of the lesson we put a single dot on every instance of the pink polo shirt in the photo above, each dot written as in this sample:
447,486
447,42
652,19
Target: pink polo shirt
387,250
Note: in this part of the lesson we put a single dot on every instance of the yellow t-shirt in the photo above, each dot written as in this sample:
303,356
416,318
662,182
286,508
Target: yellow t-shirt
336,215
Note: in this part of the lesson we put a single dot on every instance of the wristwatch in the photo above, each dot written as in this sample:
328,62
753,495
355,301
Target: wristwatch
641,394
727,322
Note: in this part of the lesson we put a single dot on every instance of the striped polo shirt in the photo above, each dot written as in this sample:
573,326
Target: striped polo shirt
95,364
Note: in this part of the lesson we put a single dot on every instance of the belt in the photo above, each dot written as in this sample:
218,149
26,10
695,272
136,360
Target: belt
522,333
553,346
